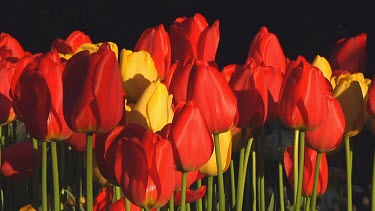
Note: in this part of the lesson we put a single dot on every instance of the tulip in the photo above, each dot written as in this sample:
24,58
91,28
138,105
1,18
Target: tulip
71,44
323,65
147,168
191,195
208,88
10,47
350,54
371,99
329,134
137,71
308,171
248,84
6,106
273,80
153,109
265,49
93,95
187,124
38,97
303,104
27,207
210,168
17,160
193,37
351,91
156,42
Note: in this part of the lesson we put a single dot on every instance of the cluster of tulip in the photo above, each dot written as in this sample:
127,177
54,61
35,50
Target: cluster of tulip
160,124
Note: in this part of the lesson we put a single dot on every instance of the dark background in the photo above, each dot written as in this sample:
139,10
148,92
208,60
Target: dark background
307,28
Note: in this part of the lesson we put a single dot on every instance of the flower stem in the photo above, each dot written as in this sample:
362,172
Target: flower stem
127,204
171,203
300,169
232,184
35,176
316,178
210,183
254,177
348,172
280,172
183,192
295,164
199,206
55,177
44,176
219,173
240,189
117,192
89,188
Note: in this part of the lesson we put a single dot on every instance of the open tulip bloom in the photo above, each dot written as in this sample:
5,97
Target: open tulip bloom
162,126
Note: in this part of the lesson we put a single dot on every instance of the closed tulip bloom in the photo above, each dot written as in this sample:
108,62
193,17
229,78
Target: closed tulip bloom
17,160
92,48
273,80
93,95
137,72
72,42
328,135
352,95
210,168
350,54
189,152
38,97
208,89
323,65
6,106
10,47
147,168
265,49
303,104
371,99
193,37
308,171
153,109
156,42
248,84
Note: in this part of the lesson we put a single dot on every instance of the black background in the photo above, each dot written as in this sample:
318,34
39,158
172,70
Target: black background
306,28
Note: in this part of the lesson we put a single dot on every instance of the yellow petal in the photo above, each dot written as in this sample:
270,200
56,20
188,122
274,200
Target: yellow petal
210,168
322,63
157,107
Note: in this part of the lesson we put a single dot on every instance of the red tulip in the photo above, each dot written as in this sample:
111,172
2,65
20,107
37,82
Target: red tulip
303,104
308,171
17,160
10,47
72,42
265,49
100,203
6,106
93,94
213,96
191,195
156,42
350,54
189,152
248,84
193,37
273,80
38,97
329,134
143,164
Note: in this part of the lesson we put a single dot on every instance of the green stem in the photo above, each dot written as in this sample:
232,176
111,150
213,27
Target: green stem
183,192
89,188
219,173
307,205
232,184
55,177
35,176
373,185
44,176
240,189
210,183
171,203
187,207
117,192
348,172
301,155
199,206
127,204
254,177
280,172
261,167
316,179
295,164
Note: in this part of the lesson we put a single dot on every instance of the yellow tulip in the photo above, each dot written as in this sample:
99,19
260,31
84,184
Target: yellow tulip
153,110
351,91
27,207
91,47
322,63
210,168
137,71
